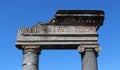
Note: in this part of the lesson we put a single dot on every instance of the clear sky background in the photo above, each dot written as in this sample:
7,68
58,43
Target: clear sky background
15,14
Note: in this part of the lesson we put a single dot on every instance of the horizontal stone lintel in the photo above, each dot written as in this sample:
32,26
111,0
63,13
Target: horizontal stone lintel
61,34
57,41
57,38
55,45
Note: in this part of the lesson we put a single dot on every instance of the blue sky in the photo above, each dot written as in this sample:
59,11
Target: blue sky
15,14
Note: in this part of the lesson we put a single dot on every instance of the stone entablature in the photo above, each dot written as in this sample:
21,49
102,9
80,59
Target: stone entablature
68,27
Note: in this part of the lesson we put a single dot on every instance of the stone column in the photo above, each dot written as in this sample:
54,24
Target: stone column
30,57
89,55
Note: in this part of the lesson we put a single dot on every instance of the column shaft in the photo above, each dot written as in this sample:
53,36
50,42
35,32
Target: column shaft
89,60
30,61
30,58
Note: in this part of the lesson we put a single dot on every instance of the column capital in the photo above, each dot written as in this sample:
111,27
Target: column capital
35,49
81,48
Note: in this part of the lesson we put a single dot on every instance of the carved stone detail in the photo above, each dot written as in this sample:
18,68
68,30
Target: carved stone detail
34,49
98,49
54,29
81,48
75,21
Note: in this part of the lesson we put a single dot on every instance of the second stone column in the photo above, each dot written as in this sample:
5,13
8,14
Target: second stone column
89,55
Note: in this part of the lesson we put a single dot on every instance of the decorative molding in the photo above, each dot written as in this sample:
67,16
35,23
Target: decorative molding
81,48
46,29
34,49
73,20
78,17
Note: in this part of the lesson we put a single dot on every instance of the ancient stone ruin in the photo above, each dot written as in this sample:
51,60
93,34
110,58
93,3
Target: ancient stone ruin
69,29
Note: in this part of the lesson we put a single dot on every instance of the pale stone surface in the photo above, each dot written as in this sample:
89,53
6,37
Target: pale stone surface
55,29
